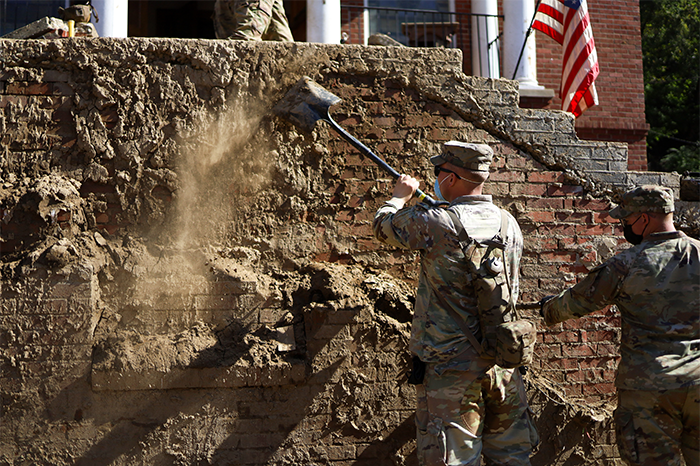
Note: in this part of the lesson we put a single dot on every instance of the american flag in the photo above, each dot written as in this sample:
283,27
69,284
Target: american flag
567,22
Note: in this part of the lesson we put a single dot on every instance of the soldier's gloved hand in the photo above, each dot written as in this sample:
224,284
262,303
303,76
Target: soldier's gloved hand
543,301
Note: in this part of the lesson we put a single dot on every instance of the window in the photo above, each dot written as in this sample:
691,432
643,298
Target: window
423,28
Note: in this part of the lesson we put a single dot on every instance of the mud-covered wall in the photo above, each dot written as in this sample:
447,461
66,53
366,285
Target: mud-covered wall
188,278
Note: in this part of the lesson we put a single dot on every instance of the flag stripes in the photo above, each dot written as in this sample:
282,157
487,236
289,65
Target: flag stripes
568,22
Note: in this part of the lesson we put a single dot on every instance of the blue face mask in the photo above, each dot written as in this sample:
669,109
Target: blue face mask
436,188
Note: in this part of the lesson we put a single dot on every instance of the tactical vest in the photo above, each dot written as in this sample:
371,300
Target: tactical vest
503,337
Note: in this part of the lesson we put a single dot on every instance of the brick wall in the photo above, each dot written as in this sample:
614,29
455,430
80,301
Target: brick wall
620,115
353,22
565,232
46,340
304,213
40,133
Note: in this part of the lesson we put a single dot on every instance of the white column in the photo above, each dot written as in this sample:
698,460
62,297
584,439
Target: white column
365,23
114,17
517,18
323,21
484,32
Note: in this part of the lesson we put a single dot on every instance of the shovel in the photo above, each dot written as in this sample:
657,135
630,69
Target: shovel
307,102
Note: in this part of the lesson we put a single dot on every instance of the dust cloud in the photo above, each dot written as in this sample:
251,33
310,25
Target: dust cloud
225,161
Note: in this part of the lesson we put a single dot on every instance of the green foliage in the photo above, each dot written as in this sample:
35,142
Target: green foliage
682,159
670,44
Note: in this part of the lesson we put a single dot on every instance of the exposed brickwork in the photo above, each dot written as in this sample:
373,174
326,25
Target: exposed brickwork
620,115
566,232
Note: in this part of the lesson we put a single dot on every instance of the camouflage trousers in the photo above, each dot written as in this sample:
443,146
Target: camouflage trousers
251,20
461,415
657,428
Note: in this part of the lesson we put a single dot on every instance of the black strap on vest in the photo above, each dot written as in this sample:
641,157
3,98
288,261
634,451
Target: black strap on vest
464,242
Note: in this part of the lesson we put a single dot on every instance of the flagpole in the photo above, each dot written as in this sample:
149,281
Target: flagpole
527,35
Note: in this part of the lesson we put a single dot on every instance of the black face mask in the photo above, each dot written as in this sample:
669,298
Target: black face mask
631,236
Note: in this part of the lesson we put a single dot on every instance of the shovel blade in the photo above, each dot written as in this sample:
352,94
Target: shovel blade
306,103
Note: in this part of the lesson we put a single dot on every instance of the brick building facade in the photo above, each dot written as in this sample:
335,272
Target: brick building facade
616,29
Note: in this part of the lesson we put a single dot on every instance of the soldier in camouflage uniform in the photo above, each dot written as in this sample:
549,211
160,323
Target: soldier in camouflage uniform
251,20
466,406
656,286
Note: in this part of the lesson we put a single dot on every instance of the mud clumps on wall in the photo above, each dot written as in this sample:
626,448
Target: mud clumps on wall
182,300
188,279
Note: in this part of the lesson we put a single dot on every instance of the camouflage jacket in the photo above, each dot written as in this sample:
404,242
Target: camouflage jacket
444,281
656,286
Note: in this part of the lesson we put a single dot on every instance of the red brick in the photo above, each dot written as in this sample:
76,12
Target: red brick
577,350
527,189
355,201
604,217
598,389
497,189
503,175
603,335
566,337
392,133
19,100
392,147
418,121
548,352
606,349
575,377
541,217
344,216
564,190
545,203
375,108
592,204
452,122
394,94
102,218
24,88
545,177
564,364
556,230
348,174
573,390
574,217
594,229
440,134
558,256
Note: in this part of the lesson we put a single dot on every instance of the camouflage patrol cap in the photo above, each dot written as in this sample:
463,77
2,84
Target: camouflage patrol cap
476,157
648,198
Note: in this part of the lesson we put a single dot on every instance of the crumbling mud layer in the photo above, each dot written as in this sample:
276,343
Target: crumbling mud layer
188,278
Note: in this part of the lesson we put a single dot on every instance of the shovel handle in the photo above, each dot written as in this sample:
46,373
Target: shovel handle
422,197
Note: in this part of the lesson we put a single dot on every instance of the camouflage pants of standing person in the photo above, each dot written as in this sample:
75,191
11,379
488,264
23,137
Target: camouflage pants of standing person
251,20
461,415
657,428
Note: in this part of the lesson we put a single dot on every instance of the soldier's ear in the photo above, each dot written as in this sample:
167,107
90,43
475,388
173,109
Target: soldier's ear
454,178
